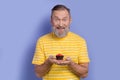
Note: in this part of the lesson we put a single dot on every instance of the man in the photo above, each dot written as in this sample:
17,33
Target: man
73,47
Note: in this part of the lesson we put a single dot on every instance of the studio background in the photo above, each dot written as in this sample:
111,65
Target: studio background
22,22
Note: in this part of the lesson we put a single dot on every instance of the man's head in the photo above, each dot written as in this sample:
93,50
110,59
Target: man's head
60,20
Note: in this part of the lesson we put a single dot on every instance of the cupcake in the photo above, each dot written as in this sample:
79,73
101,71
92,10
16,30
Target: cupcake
59,57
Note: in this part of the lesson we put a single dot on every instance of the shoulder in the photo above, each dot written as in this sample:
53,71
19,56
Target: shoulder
45,37
76,36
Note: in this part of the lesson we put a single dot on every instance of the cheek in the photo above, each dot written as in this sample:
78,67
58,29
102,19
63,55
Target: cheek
66,24
53,22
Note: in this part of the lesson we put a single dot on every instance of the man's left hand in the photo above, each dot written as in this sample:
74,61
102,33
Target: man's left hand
67,61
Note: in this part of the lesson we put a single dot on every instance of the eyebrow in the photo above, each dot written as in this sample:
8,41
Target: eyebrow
63,17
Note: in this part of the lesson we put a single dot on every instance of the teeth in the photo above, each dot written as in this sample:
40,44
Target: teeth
60,28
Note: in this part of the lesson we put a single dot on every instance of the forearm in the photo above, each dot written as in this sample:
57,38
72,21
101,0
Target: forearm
80,70
42,69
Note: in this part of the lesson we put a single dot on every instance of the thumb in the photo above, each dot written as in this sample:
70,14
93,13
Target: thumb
68,59
51,57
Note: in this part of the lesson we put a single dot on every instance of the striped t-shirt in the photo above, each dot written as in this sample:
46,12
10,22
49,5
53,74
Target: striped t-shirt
72,46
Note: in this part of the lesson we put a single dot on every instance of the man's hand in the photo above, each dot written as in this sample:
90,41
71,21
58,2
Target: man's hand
80,70
53,60
67,61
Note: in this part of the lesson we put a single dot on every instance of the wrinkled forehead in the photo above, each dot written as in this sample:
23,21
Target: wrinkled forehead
60,13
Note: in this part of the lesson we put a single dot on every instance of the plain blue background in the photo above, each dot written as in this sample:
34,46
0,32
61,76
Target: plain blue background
22,22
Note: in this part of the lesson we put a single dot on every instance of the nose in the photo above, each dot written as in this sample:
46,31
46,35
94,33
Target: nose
61,23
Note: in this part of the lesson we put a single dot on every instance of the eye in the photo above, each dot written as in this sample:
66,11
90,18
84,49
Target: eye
64,19
56,19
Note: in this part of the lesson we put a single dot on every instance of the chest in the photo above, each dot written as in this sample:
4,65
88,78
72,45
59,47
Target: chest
67,48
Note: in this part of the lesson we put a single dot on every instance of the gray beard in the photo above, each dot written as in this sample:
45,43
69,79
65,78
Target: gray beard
66,30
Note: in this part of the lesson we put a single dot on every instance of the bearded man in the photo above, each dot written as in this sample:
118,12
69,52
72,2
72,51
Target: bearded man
71,46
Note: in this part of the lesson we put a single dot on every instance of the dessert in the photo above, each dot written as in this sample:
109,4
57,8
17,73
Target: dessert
59,56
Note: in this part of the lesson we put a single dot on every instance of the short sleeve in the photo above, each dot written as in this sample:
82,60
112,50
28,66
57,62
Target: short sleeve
83,56
39,56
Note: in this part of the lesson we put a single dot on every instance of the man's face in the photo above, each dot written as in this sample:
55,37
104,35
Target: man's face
60,22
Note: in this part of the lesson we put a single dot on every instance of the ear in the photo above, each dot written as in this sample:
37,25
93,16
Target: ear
70,20
51,20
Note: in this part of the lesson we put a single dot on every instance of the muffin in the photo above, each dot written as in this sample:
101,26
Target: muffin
59,57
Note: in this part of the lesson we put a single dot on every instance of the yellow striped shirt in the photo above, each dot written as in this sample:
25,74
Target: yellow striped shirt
72,46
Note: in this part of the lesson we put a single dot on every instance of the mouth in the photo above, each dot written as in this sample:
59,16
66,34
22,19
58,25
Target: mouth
60,30
60,27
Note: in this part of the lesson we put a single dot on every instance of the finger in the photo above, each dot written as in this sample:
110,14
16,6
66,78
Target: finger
51,56
68,59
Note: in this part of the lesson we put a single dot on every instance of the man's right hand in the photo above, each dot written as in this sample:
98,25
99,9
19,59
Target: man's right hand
53,60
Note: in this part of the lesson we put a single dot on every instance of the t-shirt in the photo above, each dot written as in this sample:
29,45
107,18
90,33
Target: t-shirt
72,46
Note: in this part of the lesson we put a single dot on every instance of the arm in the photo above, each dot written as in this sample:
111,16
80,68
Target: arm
44,68
80,70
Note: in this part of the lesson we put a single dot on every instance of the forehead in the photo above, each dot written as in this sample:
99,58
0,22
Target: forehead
60,13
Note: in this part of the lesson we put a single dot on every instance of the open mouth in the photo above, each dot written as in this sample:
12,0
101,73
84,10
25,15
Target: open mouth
60,30
60,27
